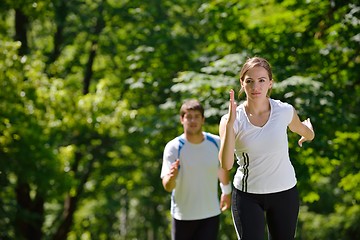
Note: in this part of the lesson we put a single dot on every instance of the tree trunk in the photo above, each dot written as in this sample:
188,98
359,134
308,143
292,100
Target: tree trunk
100,24
68,218
30,214
71,202
88,69
21,23
61,12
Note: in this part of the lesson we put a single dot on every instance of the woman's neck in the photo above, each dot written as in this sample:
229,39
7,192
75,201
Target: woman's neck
257,107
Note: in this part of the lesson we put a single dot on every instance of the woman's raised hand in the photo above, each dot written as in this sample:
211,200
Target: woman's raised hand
232,108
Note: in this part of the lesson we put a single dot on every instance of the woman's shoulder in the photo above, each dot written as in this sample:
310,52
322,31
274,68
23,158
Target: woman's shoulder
283,108
280,104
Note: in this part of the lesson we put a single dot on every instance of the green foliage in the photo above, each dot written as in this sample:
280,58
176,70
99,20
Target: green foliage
211,86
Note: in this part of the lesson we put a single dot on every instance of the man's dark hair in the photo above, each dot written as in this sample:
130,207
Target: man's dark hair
191,104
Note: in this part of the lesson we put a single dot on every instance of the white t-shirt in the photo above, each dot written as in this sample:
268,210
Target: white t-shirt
262,152
196,193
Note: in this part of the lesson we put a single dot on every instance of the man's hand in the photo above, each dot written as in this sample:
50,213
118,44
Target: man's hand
174,169
169,181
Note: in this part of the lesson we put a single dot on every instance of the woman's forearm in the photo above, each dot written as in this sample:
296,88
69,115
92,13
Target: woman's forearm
226,153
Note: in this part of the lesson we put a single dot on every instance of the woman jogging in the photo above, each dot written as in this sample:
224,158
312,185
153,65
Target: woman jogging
265,183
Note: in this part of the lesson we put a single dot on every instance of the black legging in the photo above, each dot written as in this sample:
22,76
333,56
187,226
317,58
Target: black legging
280,210
203,229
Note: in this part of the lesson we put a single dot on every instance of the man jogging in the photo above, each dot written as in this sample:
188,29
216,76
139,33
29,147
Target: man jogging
191,171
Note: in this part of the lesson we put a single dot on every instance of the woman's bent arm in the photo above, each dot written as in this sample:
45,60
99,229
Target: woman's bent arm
304,128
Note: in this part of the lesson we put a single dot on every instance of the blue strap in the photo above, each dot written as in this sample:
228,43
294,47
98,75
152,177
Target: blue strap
207,137
181,144
211,139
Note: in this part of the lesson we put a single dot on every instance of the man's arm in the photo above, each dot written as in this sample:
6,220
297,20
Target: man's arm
169,180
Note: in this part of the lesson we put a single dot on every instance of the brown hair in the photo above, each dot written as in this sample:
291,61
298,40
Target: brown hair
191,104
255,62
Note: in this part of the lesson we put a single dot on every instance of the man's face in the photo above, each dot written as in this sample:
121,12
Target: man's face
192,122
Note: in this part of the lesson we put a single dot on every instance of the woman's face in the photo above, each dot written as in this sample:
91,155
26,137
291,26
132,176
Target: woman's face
256,83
